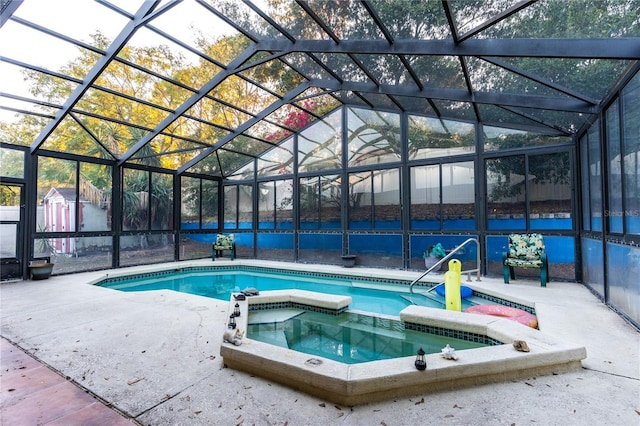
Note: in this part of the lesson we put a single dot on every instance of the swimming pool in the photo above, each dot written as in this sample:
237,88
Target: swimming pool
365,382
378,296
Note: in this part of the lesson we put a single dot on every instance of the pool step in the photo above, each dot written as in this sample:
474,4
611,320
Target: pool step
424,299
368,324
428,299
273,315
310,333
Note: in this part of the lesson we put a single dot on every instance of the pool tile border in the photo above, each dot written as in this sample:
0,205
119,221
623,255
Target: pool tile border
455,334
295,305
105,281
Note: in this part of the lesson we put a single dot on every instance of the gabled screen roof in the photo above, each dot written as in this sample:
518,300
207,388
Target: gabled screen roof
193,84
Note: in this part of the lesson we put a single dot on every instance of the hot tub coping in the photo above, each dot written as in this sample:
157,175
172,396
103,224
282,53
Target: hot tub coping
353,384
303,297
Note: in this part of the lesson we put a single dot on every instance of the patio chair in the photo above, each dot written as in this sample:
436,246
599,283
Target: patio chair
525,251
223,242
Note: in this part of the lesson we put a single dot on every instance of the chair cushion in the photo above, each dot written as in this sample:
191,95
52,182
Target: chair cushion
528,247
224,241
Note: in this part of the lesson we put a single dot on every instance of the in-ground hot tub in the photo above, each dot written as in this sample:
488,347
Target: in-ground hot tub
350,337
353,384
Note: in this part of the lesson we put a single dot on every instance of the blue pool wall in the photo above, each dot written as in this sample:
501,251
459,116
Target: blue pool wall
389,244
560,249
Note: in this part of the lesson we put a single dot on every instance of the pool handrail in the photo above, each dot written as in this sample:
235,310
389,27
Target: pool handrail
447,257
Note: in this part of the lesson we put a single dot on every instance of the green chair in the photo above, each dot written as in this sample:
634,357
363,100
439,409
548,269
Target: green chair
223,242
525,251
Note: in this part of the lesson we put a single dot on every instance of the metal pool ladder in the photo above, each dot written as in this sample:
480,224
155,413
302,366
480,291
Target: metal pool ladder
449,256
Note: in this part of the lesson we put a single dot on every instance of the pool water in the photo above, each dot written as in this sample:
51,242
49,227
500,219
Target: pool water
350,337
221,284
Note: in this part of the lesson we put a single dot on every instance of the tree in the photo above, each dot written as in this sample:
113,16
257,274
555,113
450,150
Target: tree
508,173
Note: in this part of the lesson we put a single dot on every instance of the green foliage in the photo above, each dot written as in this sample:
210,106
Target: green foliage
22,132
54,172
135,191
373,136
435,250
425,133
11,163
9,195
508,173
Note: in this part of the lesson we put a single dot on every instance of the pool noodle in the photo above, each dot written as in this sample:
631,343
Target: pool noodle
453,300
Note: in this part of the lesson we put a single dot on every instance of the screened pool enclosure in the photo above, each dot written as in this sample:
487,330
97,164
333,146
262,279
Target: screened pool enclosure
133,132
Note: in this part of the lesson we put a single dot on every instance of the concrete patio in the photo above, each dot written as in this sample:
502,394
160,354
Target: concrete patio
155,358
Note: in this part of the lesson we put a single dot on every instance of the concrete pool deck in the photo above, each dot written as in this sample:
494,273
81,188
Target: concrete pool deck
155,358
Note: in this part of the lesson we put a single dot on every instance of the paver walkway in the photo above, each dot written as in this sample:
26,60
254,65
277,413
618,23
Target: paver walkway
33,394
